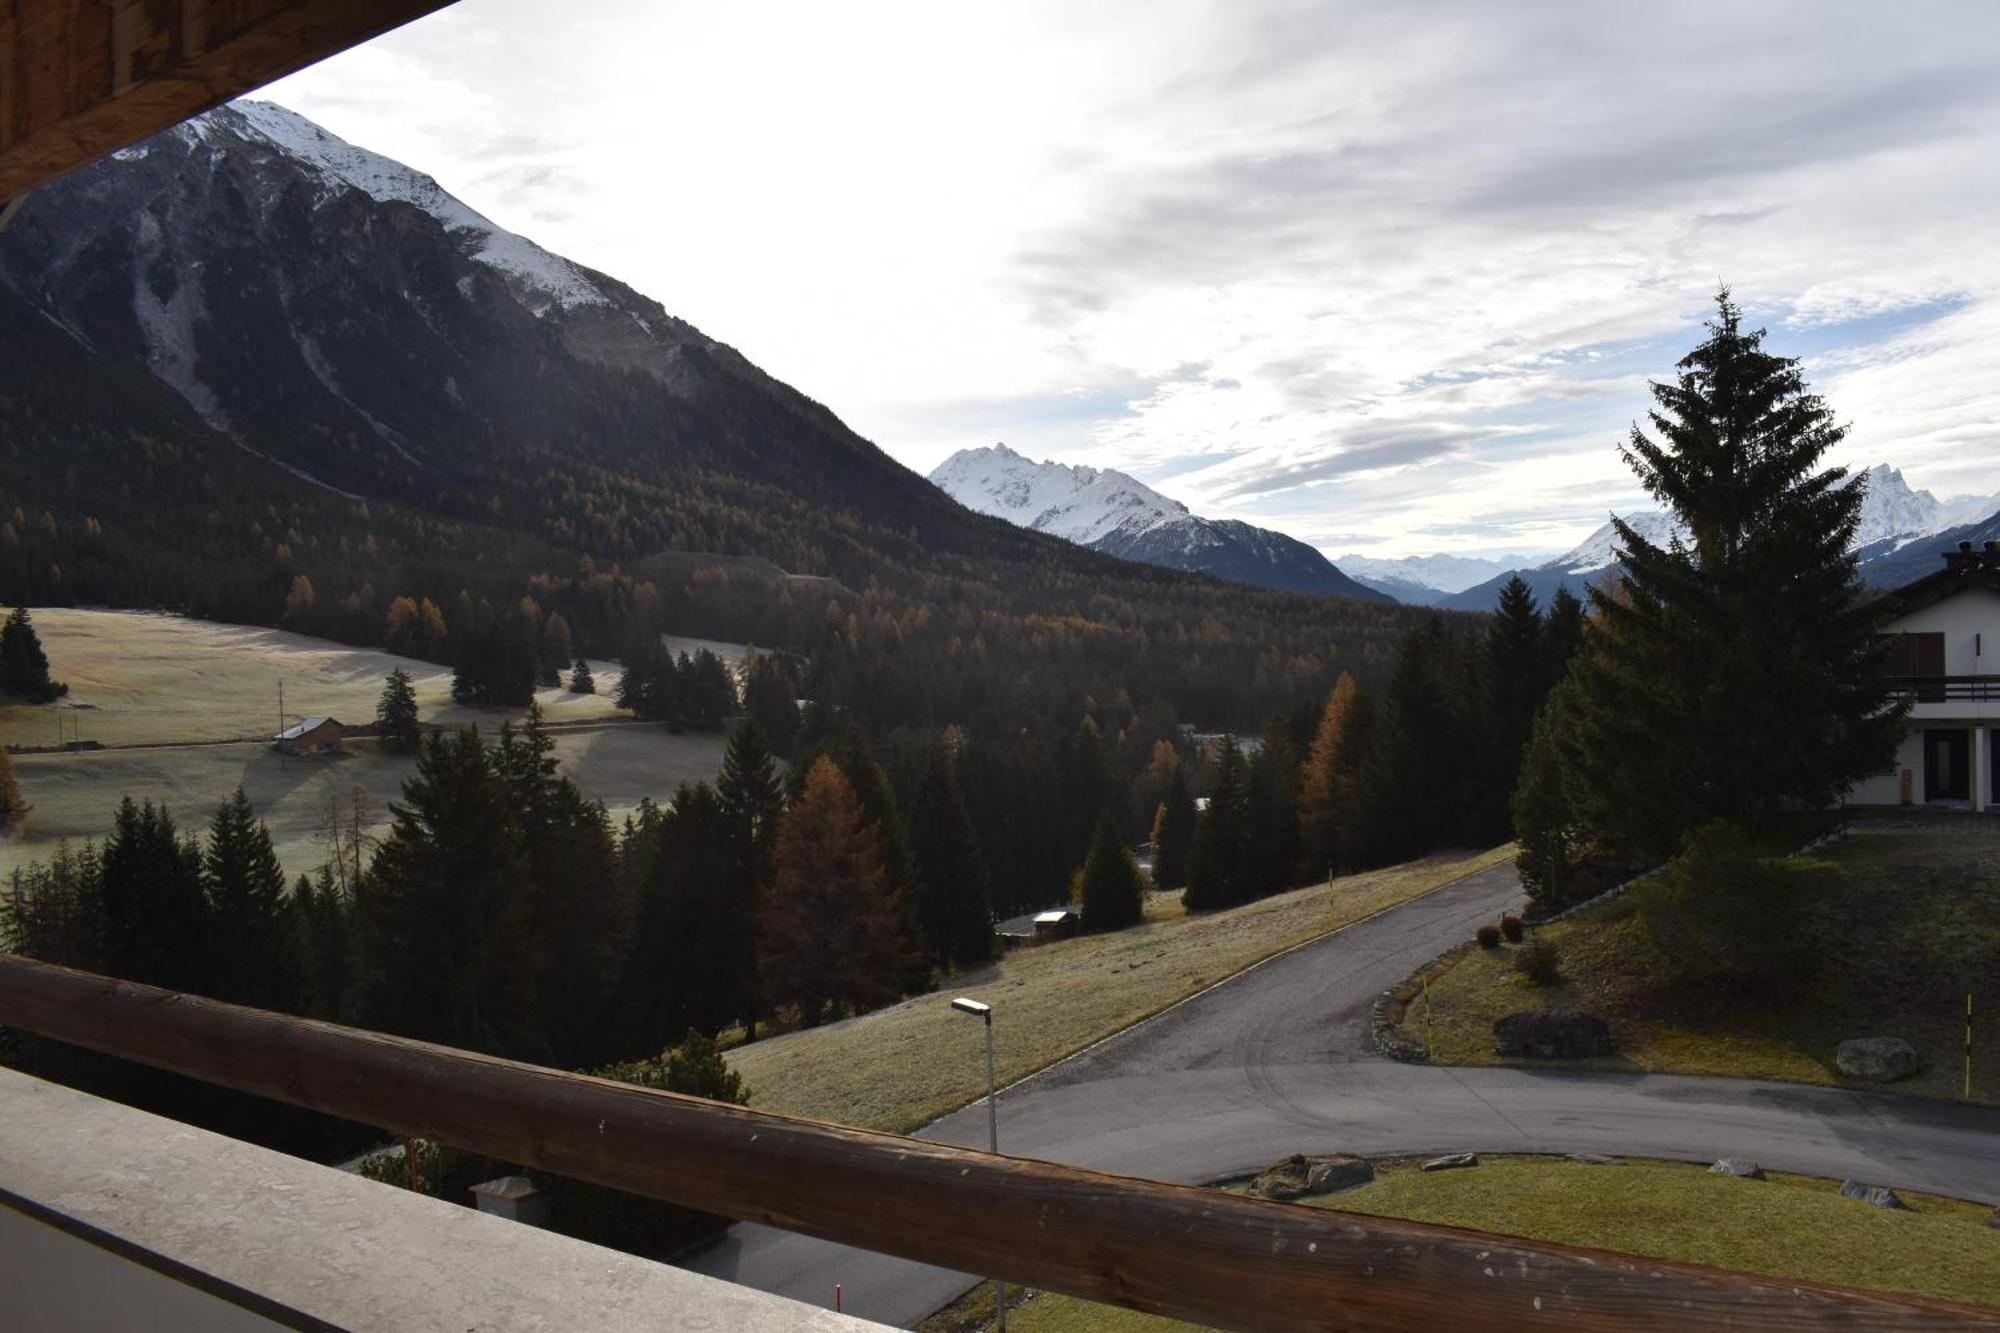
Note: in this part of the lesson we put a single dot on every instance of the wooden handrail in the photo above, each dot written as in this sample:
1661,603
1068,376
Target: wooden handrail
1216,1259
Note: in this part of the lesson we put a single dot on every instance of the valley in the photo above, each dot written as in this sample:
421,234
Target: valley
184,710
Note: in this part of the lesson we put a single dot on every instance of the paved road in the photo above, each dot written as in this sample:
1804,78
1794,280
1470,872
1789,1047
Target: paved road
1276,1061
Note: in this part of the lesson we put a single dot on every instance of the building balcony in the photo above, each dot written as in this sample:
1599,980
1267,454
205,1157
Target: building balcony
1945,689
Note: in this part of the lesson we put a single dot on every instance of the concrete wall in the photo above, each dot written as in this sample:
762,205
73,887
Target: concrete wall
114,1219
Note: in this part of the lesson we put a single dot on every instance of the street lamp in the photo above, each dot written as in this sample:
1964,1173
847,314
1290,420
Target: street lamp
984,1012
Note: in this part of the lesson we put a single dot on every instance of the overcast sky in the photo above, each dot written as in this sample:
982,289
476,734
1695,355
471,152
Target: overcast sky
1391,277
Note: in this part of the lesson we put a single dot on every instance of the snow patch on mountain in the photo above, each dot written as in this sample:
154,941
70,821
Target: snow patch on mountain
1602,547
1122,516
1443,573
1084,505
542,279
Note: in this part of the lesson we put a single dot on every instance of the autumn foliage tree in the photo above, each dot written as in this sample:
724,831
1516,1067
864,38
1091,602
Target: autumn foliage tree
831,928
1326,787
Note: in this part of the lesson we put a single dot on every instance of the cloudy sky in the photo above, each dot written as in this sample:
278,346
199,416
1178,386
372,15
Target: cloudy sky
1390,277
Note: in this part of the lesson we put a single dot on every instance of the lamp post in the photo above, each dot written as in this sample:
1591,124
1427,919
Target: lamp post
984,1012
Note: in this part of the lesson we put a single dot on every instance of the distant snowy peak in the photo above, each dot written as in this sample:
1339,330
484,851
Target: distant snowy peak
542,280
1602,547
1443,573
1084,505
1122,516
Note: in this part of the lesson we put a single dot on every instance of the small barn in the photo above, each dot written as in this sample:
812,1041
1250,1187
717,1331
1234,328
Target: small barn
1059,924
311,736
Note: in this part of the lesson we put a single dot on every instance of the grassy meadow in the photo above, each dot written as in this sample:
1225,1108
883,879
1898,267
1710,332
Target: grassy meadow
1907,922
1794,1227
184,708
1058,999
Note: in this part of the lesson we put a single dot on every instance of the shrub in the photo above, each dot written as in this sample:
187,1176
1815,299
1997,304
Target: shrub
1718,918
1538,963
1489,937
1510,926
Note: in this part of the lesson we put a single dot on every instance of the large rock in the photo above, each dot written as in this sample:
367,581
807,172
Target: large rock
1537,1034
1297,1176
1878,1195
1738,1167
1877,1059
1452,1161
1338,1173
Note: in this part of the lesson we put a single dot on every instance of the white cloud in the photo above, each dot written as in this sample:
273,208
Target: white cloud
1389,272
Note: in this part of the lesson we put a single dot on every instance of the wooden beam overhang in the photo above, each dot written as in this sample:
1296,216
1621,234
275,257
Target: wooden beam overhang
80,78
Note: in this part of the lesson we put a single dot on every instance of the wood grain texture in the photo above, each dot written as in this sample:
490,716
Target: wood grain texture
1221,1260
80,78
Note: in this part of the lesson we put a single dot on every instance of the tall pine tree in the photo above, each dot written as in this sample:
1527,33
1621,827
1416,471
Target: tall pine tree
250,929
952,906
1173,832
1737,674
396,714
753,801
1111,886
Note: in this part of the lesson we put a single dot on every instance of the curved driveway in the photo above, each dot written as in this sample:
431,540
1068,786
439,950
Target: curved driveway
1276,1060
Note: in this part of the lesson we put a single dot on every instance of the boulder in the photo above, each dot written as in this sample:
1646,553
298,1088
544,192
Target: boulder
1540,1035
1994,1221
1877,1059
1338,1173
1452,1161
1297,1176
1878,1195
1738,1167
1282,1179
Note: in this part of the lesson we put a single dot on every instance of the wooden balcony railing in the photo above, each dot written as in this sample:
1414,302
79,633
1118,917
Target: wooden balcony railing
1946,689
1195,1254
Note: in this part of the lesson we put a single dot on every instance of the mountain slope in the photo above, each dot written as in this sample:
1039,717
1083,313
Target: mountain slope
252,372
1426,580
1119,515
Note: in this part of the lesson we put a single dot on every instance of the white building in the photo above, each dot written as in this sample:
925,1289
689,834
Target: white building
1948,665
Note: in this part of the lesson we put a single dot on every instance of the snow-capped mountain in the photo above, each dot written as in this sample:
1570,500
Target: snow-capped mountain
1080,504
1602,547
327,308
539,278
1426,580
1893,517
1119,515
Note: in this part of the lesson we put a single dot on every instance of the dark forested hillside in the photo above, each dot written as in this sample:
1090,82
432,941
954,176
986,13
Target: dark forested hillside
234,381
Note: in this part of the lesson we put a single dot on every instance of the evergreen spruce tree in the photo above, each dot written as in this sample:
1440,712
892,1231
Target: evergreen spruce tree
752,802
1514,674
444,916
1562,636
1271,813
952,906
687,970
580,679
1112,887
1737,674
1173,833
321,912
24,667
13,806
248,913
578,917
1410,789
1221,841
155,912
770,695
396,714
